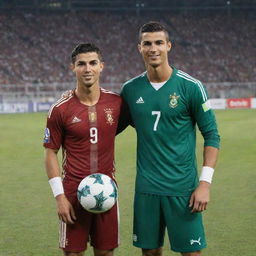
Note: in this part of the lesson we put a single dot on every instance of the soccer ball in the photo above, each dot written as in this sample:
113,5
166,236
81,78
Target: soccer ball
97,193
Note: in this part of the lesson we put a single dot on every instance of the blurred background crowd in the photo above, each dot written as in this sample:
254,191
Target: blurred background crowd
213,45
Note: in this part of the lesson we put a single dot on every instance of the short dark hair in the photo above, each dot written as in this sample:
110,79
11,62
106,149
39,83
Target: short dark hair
84,48
153,26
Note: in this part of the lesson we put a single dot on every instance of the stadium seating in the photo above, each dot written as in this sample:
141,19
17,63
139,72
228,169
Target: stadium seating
35,47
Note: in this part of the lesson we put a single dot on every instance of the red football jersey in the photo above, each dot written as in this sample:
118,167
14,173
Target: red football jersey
85,133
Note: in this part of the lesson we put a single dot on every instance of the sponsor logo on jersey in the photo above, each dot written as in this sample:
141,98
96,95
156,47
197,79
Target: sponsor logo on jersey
174,100
140,100
192,241
92,117
76,120
134,238
109,116
206,106
46,135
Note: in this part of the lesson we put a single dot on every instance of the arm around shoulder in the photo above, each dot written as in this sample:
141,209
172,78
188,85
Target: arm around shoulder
125,118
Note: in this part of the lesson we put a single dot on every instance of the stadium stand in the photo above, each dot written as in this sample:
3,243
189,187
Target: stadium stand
35,46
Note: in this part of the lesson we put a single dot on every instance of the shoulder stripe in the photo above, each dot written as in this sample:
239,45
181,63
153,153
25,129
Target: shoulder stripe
190,78
58,103
200,87
110,92
196,81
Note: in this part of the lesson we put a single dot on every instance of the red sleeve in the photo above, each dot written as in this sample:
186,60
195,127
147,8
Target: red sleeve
54,129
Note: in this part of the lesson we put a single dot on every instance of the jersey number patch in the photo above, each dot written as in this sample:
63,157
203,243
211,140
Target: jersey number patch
93,135
158,115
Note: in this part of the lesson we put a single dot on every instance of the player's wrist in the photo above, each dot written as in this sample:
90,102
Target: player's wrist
204,184
56,186
206,174
60,197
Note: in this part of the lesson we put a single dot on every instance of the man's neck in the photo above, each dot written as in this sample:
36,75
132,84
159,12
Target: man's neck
159,74
88,95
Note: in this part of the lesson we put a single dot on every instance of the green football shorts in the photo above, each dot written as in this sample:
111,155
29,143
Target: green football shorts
154,213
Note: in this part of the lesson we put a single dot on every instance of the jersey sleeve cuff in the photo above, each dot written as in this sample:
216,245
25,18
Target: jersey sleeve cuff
212,144
46,145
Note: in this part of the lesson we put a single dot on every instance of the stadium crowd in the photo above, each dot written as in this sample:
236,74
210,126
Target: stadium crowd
34,47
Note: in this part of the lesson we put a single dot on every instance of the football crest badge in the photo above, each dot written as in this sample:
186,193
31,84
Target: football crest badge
109,116
174,100
92,116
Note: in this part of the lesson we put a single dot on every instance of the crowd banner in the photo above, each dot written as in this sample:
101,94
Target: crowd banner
253,102
218,103
14,107
239,103
31,106
43,106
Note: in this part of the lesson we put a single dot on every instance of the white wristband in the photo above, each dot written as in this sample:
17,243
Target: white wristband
56,186
206,174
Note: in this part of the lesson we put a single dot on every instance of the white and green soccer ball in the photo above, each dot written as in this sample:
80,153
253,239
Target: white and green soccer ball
97,193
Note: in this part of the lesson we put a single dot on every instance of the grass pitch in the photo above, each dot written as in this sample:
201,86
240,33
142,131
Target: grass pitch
28,220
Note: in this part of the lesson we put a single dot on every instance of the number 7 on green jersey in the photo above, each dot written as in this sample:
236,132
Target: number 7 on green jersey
158,115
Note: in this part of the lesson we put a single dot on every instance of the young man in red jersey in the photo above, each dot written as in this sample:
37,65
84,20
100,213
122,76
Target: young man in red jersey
83,123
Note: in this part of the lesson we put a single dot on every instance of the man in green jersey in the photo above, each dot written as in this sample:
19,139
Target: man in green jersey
165,105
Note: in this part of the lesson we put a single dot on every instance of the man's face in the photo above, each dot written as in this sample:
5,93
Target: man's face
87,68
154,48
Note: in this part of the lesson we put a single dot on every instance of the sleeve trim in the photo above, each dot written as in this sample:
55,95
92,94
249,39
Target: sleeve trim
195,81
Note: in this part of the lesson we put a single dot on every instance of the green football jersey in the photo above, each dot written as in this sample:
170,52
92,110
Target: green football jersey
165,121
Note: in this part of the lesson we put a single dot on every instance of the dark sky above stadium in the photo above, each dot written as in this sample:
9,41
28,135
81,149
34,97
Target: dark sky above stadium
88,4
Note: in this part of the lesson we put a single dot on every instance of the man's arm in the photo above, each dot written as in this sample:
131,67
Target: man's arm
65,210
210,156
204,117
124,118
201,196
